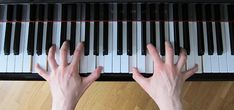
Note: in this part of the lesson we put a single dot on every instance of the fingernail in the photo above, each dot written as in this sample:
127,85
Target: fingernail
168,43
100,67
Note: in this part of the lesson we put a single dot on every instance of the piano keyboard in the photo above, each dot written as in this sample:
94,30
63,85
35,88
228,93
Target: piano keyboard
115,37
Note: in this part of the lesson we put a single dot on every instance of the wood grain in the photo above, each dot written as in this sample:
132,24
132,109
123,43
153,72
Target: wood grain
22,95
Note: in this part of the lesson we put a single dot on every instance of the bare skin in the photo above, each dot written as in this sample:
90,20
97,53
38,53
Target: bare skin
167,81
67,86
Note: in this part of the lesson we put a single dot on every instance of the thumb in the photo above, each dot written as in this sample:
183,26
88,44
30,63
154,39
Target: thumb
42,72
93,76
140,79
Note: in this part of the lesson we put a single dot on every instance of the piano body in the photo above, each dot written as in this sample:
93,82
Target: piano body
115,34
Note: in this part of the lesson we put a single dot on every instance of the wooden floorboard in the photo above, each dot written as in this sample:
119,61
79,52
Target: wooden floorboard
22,95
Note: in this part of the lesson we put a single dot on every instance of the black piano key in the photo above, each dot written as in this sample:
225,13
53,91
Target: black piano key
73,38
151,14
162,29
120,38
104,13
219,40
18,17
39,38
120,29
49,15
31,37
87,28
209,29
63,35
96,39
2,16
129,38
143,29
96,14
231,27
176,29
39,16
72,11
105,38
7,41
184,16
10,12
30,46
129,29
16,45
200,36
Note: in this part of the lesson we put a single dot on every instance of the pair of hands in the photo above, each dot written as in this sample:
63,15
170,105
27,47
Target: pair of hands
67,86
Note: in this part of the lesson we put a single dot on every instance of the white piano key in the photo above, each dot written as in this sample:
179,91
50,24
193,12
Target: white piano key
43,57
181,34
78,32
140,57
116,58
56,40
57,31
100,57
133,58
197,59
35,56
167,31
223,57
3,57
230,58
157,36
78,37
11,57
108,62
84,59
207,68
19,58
172,39
27,58
69,57
149,67
171,32
190,58
124,57
214,57
167,36
91,57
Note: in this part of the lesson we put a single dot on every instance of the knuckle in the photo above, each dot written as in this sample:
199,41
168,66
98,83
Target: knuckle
63,49
170,49
183,56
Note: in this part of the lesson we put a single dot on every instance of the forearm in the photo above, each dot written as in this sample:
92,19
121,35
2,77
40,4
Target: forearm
63,105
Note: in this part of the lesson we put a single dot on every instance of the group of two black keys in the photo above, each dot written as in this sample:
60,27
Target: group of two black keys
126,12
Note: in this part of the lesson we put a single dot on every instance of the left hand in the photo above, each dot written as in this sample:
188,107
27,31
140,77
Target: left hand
66,85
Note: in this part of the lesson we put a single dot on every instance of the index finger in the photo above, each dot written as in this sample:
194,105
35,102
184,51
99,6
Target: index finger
154,54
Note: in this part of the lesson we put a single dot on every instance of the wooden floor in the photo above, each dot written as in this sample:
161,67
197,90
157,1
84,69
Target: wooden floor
116,96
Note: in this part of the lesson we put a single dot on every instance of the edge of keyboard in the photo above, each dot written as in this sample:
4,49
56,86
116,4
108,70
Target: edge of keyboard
77,1
119,77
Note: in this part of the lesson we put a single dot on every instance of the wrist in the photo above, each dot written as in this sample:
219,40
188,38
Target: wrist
173,103
63,105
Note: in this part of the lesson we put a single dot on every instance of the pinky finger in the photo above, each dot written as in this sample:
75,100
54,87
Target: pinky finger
42,72
190,72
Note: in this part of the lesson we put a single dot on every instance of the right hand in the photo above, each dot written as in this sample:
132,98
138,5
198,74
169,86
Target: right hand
167,81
